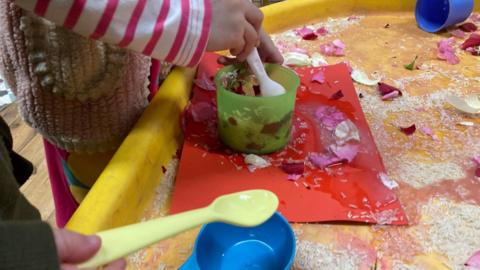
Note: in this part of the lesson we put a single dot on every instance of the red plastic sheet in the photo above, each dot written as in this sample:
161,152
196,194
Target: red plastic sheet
347,192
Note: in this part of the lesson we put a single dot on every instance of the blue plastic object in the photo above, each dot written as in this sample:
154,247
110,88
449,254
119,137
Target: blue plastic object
219,246
435,15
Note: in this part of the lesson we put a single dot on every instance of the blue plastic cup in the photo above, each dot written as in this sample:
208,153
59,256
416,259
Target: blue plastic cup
435,15
219,246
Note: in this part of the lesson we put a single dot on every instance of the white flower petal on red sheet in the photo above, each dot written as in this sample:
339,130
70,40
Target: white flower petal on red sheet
387,181
255,162
318,60
345,152
346,131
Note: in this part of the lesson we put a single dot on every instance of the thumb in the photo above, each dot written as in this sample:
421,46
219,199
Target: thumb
75,248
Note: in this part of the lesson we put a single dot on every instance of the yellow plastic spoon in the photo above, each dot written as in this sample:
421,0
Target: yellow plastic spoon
471,104
246,209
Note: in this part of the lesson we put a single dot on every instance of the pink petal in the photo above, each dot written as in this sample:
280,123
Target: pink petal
452,59
476,159
475,17
323,160
428,131
319,77
353,17
322,31
474,260
294,168
294,177
202,111
468,27
329,116
391,95
306,33
345,152
385,89
337,95
338,43
458,33
204,82
446,51
408,130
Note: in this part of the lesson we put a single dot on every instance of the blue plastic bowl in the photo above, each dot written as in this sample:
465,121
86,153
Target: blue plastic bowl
219,246
435,15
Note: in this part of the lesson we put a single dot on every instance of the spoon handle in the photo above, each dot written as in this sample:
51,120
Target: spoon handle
121,241
256,65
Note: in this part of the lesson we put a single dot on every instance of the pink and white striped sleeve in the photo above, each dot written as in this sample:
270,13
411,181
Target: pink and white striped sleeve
175,31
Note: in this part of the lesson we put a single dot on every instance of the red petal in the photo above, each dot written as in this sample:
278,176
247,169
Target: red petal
472,41
468,27
337,95
306,33
293,168
477,174
409,130
385,89
322,31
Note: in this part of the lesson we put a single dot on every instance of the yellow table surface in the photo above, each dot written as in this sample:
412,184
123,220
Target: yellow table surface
437,186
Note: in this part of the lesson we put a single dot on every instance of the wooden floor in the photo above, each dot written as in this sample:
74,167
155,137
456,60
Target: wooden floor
28,143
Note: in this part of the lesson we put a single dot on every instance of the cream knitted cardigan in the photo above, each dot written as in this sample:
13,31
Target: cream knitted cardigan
81,95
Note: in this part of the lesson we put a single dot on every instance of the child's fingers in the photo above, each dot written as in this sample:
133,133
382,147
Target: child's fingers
254,16
250,36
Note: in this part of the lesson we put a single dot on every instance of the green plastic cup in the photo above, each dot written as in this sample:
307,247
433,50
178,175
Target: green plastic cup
257,125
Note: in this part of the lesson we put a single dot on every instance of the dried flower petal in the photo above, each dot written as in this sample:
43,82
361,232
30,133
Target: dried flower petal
322,31
255,162
472,41
202,111
337,95
468,27
334,48
362,78
476,159
409,130
466,123
318,60
446,51
474,260
387,181
204,82
329,116
306,33
346,131
475,17
345,152
319,77
296,59
297,168
458,33
294,177
391,95
323,160
428,131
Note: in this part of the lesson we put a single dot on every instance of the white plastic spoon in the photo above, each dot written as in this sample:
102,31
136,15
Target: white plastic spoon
268,87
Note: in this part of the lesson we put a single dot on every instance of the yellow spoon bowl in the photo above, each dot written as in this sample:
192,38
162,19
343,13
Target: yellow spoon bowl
245,209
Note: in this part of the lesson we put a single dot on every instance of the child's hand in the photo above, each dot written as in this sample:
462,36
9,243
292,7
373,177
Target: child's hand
267,50
235,26
73,248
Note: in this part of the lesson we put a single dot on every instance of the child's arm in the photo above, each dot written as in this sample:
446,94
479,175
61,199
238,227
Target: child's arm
172,30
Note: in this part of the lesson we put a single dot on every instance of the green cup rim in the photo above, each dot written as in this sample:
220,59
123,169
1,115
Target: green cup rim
223,70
